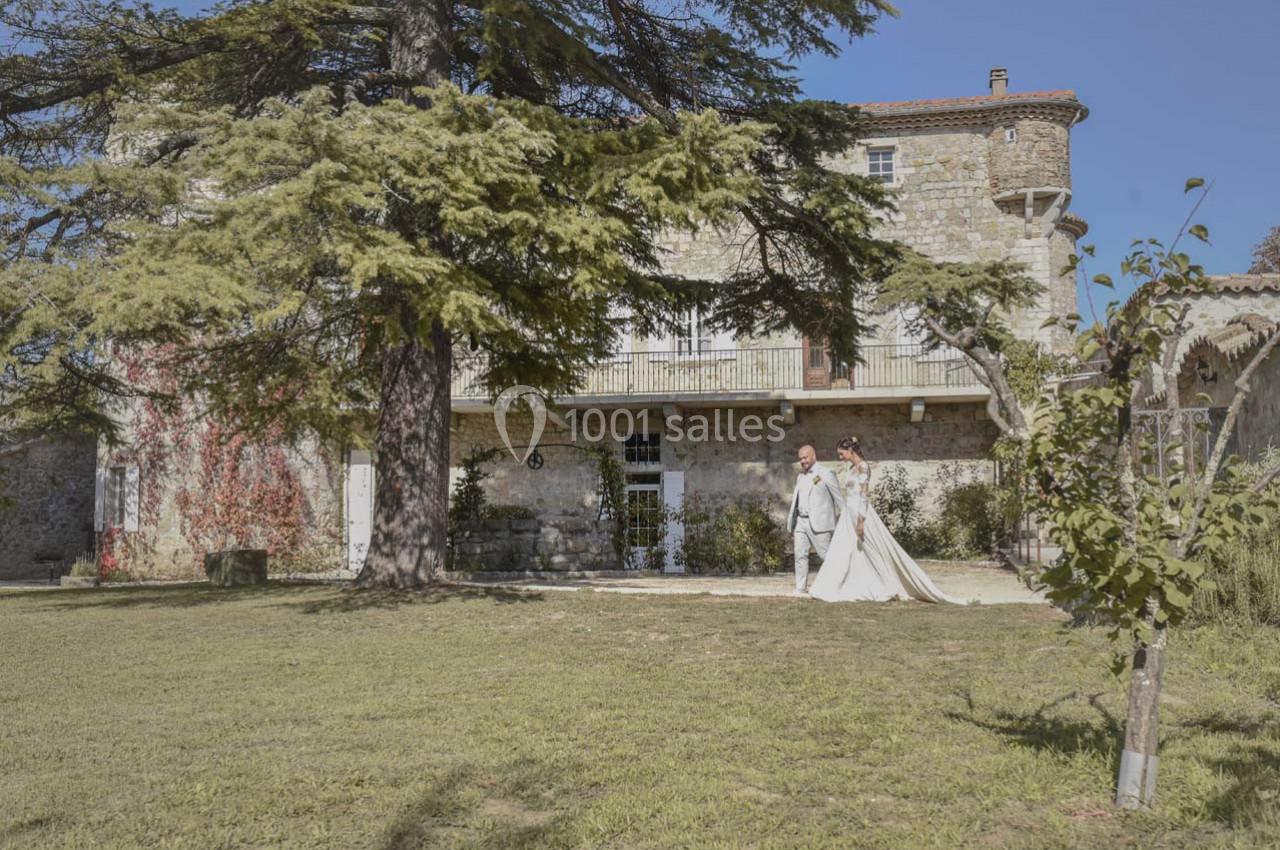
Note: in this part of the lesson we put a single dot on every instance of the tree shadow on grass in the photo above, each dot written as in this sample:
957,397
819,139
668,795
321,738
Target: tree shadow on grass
298,596
181,596
1043,730
1253,797
466,808
1253,769
349,600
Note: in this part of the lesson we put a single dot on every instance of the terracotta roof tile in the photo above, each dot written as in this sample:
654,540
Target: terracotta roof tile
1247,282
1240,335
1236,283
978,100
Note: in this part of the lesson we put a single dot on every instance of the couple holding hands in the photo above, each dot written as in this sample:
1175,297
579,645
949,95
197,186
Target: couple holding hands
861,561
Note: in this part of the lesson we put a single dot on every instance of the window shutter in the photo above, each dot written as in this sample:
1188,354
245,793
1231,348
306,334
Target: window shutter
672,502
131,488
100,497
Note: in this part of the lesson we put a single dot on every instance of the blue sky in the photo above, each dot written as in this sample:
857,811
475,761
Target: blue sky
1175,89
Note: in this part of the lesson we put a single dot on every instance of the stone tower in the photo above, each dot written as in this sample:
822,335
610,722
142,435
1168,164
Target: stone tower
986,177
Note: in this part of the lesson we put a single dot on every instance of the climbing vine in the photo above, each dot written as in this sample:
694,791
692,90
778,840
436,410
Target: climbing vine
228,490
613,495
242,495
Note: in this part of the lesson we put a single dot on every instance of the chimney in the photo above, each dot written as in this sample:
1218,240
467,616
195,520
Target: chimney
999,81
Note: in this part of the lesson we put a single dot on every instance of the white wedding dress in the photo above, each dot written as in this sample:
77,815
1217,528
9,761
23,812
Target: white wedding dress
875,569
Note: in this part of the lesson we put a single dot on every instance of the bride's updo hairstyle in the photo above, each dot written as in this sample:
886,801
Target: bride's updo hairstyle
852,444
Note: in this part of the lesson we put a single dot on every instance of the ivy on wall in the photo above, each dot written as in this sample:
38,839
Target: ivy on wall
227,490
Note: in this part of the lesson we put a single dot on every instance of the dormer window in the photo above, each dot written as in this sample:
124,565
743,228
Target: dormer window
880,164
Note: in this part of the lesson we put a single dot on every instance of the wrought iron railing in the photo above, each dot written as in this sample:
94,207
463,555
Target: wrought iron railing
1166,452
658,373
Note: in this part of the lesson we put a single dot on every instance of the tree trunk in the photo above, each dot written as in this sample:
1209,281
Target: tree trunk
1136,784
411,447
411,465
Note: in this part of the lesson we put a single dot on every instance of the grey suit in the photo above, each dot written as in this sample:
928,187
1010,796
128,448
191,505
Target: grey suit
815,504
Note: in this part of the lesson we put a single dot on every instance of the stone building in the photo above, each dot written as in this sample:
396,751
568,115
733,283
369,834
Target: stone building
46,506
975,178
1226,326
714,417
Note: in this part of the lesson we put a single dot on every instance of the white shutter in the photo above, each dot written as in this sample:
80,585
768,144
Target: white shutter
359,506
673,501
131,497
100,497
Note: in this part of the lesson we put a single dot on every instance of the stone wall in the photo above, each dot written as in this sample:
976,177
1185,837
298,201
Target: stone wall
1258,425
720,469
1260,418
950,434
545,543
945,181
171,539
46,507
1212,312
945,184
1040,155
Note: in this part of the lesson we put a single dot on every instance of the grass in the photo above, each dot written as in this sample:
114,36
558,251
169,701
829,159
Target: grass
292,717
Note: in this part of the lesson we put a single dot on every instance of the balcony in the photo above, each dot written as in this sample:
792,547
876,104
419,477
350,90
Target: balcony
804,375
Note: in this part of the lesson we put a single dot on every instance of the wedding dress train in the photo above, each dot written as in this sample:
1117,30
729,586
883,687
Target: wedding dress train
875,569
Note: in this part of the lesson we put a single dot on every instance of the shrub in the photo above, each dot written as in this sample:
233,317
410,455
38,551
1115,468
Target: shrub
509,512
972,516
741,537
468,502
84,567
1243,579
1243,582
901,507
968,523
310,559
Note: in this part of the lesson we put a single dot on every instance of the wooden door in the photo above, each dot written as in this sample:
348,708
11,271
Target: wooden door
817,365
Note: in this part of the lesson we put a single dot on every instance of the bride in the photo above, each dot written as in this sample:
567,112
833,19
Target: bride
864,562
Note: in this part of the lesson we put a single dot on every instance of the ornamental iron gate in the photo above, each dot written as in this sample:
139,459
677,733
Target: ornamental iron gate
1200,429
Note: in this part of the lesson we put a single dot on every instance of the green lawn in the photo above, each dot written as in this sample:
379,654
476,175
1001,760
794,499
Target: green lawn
317,717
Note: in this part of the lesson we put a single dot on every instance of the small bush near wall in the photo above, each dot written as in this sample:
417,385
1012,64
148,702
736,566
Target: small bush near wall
970,520
508,512
1244,578
741,537
309,559
1246,583
901,508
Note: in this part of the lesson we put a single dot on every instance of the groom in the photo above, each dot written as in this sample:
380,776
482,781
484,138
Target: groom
812,517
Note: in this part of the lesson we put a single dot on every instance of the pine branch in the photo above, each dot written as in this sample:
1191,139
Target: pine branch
145,62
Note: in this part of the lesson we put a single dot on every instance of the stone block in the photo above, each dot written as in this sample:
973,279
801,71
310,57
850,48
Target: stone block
235,567
79,581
